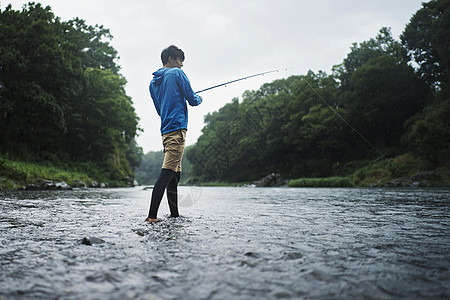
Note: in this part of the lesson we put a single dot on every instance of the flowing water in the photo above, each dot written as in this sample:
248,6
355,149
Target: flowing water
229,243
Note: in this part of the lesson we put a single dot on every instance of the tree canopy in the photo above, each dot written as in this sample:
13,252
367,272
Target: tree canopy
385,99
62,97
427,41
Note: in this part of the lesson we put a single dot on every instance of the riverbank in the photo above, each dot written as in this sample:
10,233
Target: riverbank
435,178
33,176
401,171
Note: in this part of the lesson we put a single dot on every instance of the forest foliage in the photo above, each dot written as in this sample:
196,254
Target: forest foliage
62,98
63,103
385,99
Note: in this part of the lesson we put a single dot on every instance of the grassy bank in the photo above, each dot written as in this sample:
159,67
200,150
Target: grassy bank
16,174
219,184
321,182
401,171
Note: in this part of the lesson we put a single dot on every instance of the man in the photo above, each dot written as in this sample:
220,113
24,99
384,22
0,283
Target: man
170,89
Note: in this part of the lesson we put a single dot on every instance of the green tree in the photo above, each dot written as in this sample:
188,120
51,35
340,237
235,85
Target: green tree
304,126
33,75
134,154
274,129
385,94
427,40
380,92
313,131
150,167
104,121
428,134
382,44
216,147
62,98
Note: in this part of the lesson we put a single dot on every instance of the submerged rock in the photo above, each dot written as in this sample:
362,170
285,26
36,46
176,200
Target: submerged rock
91,241
62,186
271,180
94,184
30,187
78,184
48,185
128,180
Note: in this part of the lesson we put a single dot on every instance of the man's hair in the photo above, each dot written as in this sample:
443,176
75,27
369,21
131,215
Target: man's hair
171,51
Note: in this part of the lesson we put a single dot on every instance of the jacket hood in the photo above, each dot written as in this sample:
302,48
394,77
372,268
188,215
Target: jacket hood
158,75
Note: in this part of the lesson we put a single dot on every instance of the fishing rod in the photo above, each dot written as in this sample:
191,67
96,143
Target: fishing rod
243,78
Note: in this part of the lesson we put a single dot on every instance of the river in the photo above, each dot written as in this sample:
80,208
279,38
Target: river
229,243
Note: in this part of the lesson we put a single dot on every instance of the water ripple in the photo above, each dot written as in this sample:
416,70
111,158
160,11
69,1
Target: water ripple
230,243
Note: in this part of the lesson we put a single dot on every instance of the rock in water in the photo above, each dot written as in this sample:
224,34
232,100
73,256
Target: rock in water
62,186
271,180
94,184
78,184
48,185
92,240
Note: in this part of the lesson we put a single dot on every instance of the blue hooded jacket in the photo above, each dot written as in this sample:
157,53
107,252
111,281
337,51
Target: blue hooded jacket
169,89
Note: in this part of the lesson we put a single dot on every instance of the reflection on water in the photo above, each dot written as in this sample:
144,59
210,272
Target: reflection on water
230,243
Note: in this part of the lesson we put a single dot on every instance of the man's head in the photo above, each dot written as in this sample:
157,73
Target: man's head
172,57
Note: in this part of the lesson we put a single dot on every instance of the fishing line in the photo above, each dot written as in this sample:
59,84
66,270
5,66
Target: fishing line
243,78
350,125
320,97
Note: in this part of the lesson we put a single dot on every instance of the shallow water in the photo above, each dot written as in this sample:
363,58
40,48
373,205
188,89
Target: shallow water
230,243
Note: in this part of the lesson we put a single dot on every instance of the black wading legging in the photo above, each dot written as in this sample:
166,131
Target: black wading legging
167,179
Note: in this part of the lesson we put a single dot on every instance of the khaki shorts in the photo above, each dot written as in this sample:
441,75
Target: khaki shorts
173,143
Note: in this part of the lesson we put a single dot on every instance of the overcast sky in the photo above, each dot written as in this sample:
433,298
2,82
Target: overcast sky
225,40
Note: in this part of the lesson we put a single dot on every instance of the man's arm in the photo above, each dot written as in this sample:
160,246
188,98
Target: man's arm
155,99
186,89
